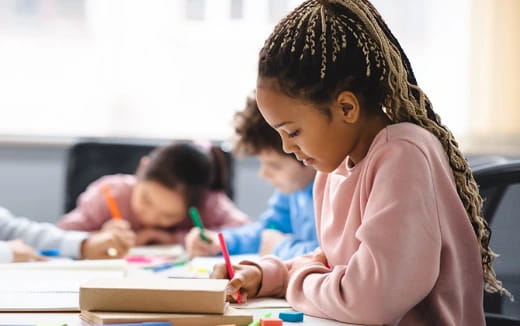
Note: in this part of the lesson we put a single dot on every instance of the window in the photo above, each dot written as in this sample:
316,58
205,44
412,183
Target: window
180,68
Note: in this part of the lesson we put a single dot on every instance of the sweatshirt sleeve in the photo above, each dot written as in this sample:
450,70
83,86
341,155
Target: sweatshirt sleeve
91,211
246,239
397,262
37,235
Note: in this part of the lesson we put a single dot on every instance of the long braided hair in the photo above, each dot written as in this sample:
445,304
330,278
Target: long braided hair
324,47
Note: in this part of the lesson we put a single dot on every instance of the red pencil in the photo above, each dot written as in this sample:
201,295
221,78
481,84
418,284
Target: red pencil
229,267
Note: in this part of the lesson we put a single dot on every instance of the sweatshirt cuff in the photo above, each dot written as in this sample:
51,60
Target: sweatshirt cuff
71,244
6,254
274,277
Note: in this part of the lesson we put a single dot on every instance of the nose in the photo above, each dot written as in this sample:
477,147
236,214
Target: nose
288,146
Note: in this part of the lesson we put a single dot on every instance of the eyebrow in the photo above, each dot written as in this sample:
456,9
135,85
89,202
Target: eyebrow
276,126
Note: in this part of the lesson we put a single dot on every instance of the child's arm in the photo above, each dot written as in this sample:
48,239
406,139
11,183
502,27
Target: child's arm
17,251
40,235
291,247
91,211
398,259
246,239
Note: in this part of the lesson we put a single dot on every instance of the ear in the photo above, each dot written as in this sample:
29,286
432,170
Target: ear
348,107
143,162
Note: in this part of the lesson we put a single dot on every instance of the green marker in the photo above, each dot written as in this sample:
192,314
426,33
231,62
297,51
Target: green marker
195,217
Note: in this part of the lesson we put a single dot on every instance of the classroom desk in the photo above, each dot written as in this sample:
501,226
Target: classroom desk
72,319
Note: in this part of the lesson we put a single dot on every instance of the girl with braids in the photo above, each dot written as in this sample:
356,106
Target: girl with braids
154,203
402,241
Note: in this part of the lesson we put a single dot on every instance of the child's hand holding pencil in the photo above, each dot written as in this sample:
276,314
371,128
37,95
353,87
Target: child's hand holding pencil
246,280
98,244
196,247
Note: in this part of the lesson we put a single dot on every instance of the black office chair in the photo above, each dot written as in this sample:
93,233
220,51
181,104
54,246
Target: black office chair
90,160
500,187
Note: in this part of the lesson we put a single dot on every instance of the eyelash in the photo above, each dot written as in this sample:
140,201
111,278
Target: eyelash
294,134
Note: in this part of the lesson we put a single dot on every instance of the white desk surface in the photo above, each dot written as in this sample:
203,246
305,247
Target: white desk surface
72,319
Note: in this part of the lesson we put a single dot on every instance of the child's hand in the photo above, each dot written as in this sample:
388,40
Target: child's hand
96,246
154,236
311,259
247,280
116,225
22,252
195,246
270,239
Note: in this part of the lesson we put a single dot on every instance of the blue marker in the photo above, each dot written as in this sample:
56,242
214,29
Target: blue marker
49,252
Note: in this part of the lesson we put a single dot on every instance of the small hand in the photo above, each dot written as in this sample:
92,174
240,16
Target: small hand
270,239
316,257
116,225
22,252
195,246
247,280
99,244
154,236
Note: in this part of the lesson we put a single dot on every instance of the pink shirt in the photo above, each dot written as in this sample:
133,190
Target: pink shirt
401,247
217,210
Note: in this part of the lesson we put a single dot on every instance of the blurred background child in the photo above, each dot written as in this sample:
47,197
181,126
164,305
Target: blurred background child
19,237
154,202
287,228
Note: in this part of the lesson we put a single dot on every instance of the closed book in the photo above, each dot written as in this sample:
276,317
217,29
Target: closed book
151,294
231,316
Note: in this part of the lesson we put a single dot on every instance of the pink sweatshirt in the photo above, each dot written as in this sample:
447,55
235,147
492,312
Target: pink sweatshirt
217,210
401,247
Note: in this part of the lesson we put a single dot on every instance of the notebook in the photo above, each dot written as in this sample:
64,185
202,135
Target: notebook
231,316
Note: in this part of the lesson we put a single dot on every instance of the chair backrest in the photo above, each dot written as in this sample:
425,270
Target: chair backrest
499,185
90,160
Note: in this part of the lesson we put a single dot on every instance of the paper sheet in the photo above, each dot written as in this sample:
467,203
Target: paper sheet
262,303
201,267
157,251
45,290
60,264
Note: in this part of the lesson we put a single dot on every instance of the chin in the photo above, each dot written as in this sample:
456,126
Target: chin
325,169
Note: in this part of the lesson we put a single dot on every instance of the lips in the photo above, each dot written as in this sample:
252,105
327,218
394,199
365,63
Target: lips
306,161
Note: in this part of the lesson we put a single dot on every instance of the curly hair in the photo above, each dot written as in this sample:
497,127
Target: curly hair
252,133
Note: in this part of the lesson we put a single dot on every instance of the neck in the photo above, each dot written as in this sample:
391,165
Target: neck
372,125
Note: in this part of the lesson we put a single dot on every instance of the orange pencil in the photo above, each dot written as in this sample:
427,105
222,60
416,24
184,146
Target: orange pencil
111,202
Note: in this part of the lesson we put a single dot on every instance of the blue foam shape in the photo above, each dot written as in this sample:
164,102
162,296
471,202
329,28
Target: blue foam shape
291,316
49,252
